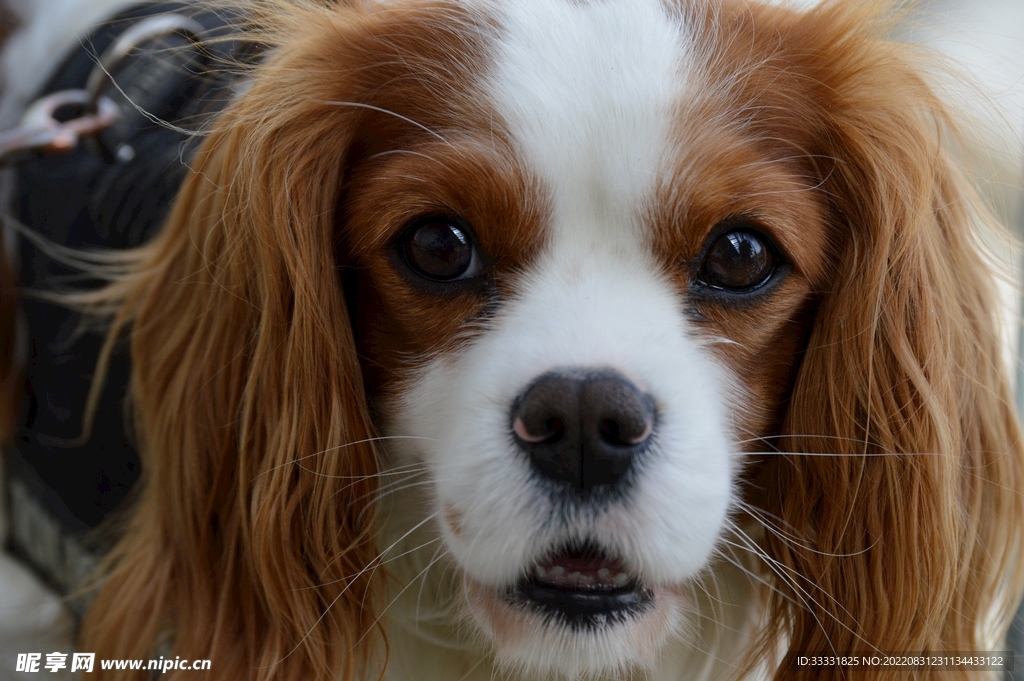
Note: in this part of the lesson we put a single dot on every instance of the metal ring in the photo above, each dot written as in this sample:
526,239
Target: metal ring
147,29
43,112
40,130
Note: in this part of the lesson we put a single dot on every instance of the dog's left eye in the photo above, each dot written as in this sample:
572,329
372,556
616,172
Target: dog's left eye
738,261
441,249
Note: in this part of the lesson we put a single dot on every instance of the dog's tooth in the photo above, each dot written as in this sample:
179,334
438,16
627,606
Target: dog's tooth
575,579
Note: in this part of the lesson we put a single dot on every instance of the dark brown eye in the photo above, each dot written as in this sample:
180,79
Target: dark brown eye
440,249
738,261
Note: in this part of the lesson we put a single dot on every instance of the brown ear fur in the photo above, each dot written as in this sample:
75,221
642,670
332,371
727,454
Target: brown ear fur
250,543
913,514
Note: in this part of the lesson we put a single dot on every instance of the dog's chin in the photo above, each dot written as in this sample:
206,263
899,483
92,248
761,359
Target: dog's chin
575,616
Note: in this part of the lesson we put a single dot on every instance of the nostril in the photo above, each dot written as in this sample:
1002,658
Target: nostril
609,431
549,431
620,415
556,428
613,434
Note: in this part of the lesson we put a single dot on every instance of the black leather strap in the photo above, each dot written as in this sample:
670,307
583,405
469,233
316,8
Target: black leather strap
112,193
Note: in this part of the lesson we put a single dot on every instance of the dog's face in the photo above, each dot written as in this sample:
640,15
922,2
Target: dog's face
503,306
581,288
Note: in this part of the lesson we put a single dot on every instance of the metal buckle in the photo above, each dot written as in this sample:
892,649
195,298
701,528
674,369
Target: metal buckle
42,127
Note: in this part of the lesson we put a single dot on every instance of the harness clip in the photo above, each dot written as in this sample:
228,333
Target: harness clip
55,123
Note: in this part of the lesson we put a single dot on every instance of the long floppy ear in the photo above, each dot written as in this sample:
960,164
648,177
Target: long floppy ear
251,541
910,500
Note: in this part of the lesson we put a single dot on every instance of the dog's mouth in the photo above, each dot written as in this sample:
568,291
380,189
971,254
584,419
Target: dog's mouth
582,586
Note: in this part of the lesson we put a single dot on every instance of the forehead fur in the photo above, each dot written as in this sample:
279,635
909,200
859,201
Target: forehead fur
588,91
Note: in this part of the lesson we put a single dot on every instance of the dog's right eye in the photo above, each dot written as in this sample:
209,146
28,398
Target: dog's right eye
441,249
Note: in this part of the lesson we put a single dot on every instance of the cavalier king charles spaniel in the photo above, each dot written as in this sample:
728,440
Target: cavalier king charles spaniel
568,339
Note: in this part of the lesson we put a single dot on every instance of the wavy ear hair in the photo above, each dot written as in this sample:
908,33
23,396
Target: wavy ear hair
251,542
911,503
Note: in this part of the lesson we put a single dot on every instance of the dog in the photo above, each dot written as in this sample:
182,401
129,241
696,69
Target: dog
550,339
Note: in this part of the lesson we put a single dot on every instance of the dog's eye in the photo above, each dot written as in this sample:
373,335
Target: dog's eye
441,249
738,261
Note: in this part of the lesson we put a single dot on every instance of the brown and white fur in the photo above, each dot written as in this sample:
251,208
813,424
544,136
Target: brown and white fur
337,472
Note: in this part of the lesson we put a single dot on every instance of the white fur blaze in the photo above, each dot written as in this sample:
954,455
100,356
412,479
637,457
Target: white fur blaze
587,93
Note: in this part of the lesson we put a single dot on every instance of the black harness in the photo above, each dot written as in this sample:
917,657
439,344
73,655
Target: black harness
112,191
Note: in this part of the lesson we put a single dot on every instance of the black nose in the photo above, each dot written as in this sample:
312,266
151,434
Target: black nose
583,429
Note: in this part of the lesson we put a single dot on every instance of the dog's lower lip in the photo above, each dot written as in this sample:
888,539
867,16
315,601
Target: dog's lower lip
584,604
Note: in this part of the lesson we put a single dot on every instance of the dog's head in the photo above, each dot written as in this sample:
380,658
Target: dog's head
542,305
